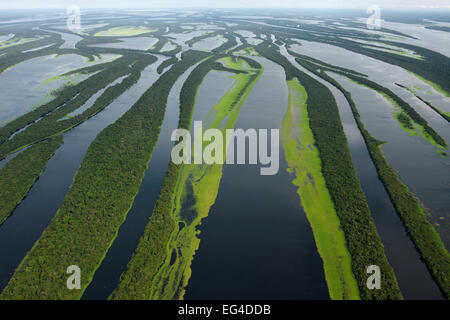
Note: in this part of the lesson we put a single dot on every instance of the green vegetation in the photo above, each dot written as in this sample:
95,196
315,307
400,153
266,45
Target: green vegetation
165,64
429,69
207,35
220,67
394,50
361,236
408,207
408,118
109,177
433,66
69,100
439,28
230,43
197,189
443,114
419,121
19,174
149,267
304,161
98,200
15,41
436,86
124,31
324,64
405,120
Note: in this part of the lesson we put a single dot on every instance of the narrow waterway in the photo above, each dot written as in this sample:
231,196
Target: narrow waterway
21,230
425,172
256,242
70,39
413,276
107,277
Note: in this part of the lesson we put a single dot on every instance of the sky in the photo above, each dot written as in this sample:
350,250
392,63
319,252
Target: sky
347,4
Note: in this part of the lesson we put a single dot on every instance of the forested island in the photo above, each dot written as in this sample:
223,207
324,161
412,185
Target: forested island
99,101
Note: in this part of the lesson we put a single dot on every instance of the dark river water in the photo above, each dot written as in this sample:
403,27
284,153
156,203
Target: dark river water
21,230
256,242
412,274
107,277
424,171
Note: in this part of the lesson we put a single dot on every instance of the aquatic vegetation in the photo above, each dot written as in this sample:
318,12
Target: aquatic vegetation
436,86
165,64
69,100
304,162
15,41
124,31
111,174
99,199
408,118
407,205
428,132
197,190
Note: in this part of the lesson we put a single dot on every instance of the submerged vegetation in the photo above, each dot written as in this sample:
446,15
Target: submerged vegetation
20,173
99,198
197,189
166,279
110,175
361,236
406,116
304,161
443,114
44,121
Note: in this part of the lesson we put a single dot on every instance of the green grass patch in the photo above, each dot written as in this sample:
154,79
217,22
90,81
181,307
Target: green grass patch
19,174
408,119
15,41
443,114
304,161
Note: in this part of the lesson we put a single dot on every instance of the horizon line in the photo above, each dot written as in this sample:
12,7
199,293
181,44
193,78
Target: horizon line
404,8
